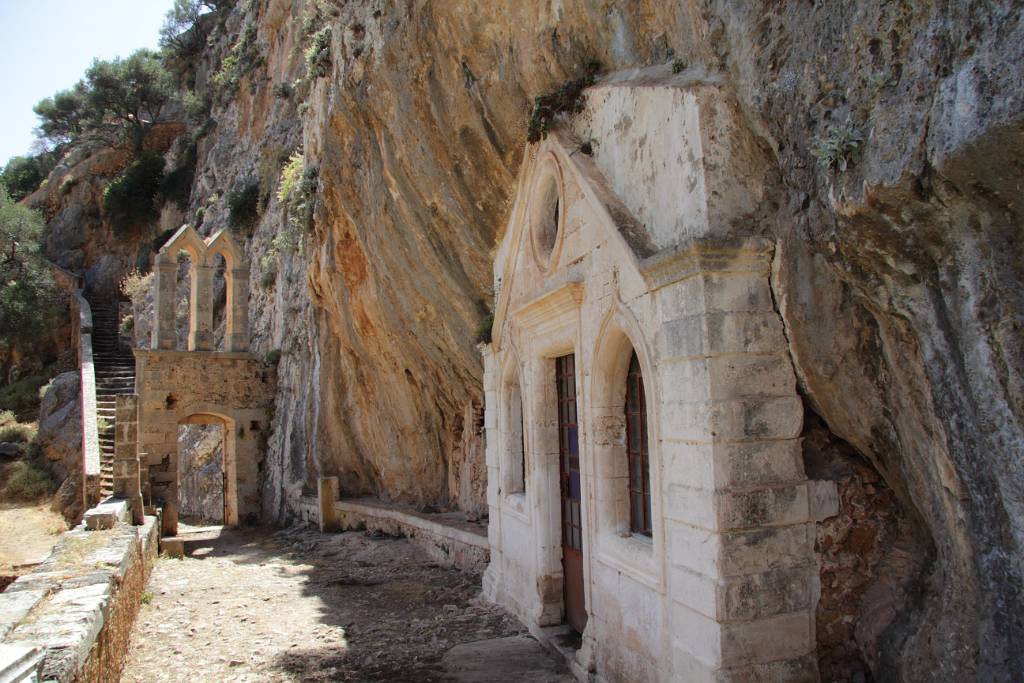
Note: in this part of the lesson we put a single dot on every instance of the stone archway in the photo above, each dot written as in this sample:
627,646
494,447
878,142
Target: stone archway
181,387
190,488
232,387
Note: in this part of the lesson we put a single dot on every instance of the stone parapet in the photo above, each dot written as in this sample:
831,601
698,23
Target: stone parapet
77,608
90,426
446,537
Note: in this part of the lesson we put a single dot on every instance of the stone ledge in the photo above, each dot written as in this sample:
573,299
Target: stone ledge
77,606
107,514
445,537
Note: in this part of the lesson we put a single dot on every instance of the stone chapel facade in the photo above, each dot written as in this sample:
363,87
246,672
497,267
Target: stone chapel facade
645,480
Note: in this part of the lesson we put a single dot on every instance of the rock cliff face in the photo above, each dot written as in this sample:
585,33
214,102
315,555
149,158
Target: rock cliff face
898,278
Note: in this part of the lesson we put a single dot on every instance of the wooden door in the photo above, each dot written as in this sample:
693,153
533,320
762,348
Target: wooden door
571,493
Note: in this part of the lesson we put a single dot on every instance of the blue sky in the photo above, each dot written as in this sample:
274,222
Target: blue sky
46,46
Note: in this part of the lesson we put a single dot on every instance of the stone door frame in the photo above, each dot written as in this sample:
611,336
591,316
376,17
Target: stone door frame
229,463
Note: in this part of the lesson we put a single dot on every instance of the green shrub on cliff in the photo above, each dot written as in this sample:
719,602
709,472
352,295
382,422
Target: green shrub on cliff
568,99
318,54
297,191
243,58
243,205
130,200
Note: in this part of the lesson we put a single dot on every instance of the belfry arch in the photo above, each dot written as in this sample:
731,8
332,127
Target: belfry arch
200,324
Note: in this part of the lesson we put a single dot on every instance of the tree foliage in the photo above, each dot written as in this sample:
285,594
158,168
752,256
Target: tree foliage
23,175
118,101
62,117
28,296
184,31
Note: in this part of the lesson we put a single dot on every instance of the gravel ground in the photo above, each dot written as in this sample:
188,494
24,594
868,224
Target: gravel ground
297,605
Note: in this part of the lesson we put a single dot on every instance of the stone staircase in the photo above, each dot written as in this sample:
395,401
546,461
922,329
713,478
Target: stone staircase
115,374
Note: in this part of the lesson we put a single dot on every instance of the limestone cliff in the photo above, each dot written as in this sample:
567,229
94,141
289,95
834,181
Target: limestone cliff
898,277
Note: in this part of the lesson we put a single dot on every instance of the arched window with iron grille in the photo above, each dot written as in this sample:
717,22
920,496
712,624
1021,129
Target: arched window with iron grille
637,451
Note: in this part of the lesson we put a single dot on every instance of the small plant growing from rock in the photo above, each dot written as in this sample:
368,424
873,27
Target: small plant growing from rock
483,332
273,357
147,597
678,66
297,191
318,54
135,284
282,91
269,278
836,150
568,99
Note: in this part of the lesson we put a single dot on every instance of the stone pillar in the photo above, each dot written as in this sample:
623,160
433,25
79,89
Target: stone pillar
164,334
327,494
200,327
238,310
127,484
738,528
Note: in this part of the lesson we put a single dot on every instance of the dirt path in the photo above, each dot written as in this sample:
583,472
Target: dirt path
297,605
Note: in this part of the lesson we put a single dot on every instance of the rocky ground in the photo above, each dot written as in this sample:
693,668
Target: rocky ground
297,605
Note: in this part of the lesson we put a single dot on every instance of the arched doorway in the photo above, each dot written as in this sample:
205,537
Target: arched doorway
206,490
201,476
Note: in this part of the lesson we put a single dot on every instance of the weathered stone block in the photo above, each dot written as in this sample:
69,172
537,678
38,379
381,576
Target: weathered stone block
758,462
759,550
756,596
14,605
797,670
721,333
743,376
780,506
107,515
172,546
746,419
740,292
764,640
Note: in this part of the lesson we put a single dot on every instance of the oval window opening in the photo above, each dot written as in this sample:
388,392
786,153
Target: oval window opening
546,219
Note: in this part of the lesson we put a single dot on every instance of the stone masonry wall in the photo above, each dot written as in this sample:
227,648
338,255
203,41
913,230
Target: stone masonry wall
180,387
79,605
867,556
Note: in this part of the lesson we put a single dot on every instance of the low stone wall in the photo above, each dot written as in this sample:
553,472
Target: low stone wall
446,537
79,605
90,427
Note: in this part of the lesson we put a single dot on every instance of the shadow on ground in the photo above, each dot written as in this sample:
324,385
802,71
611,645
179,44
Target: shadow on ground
341,607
